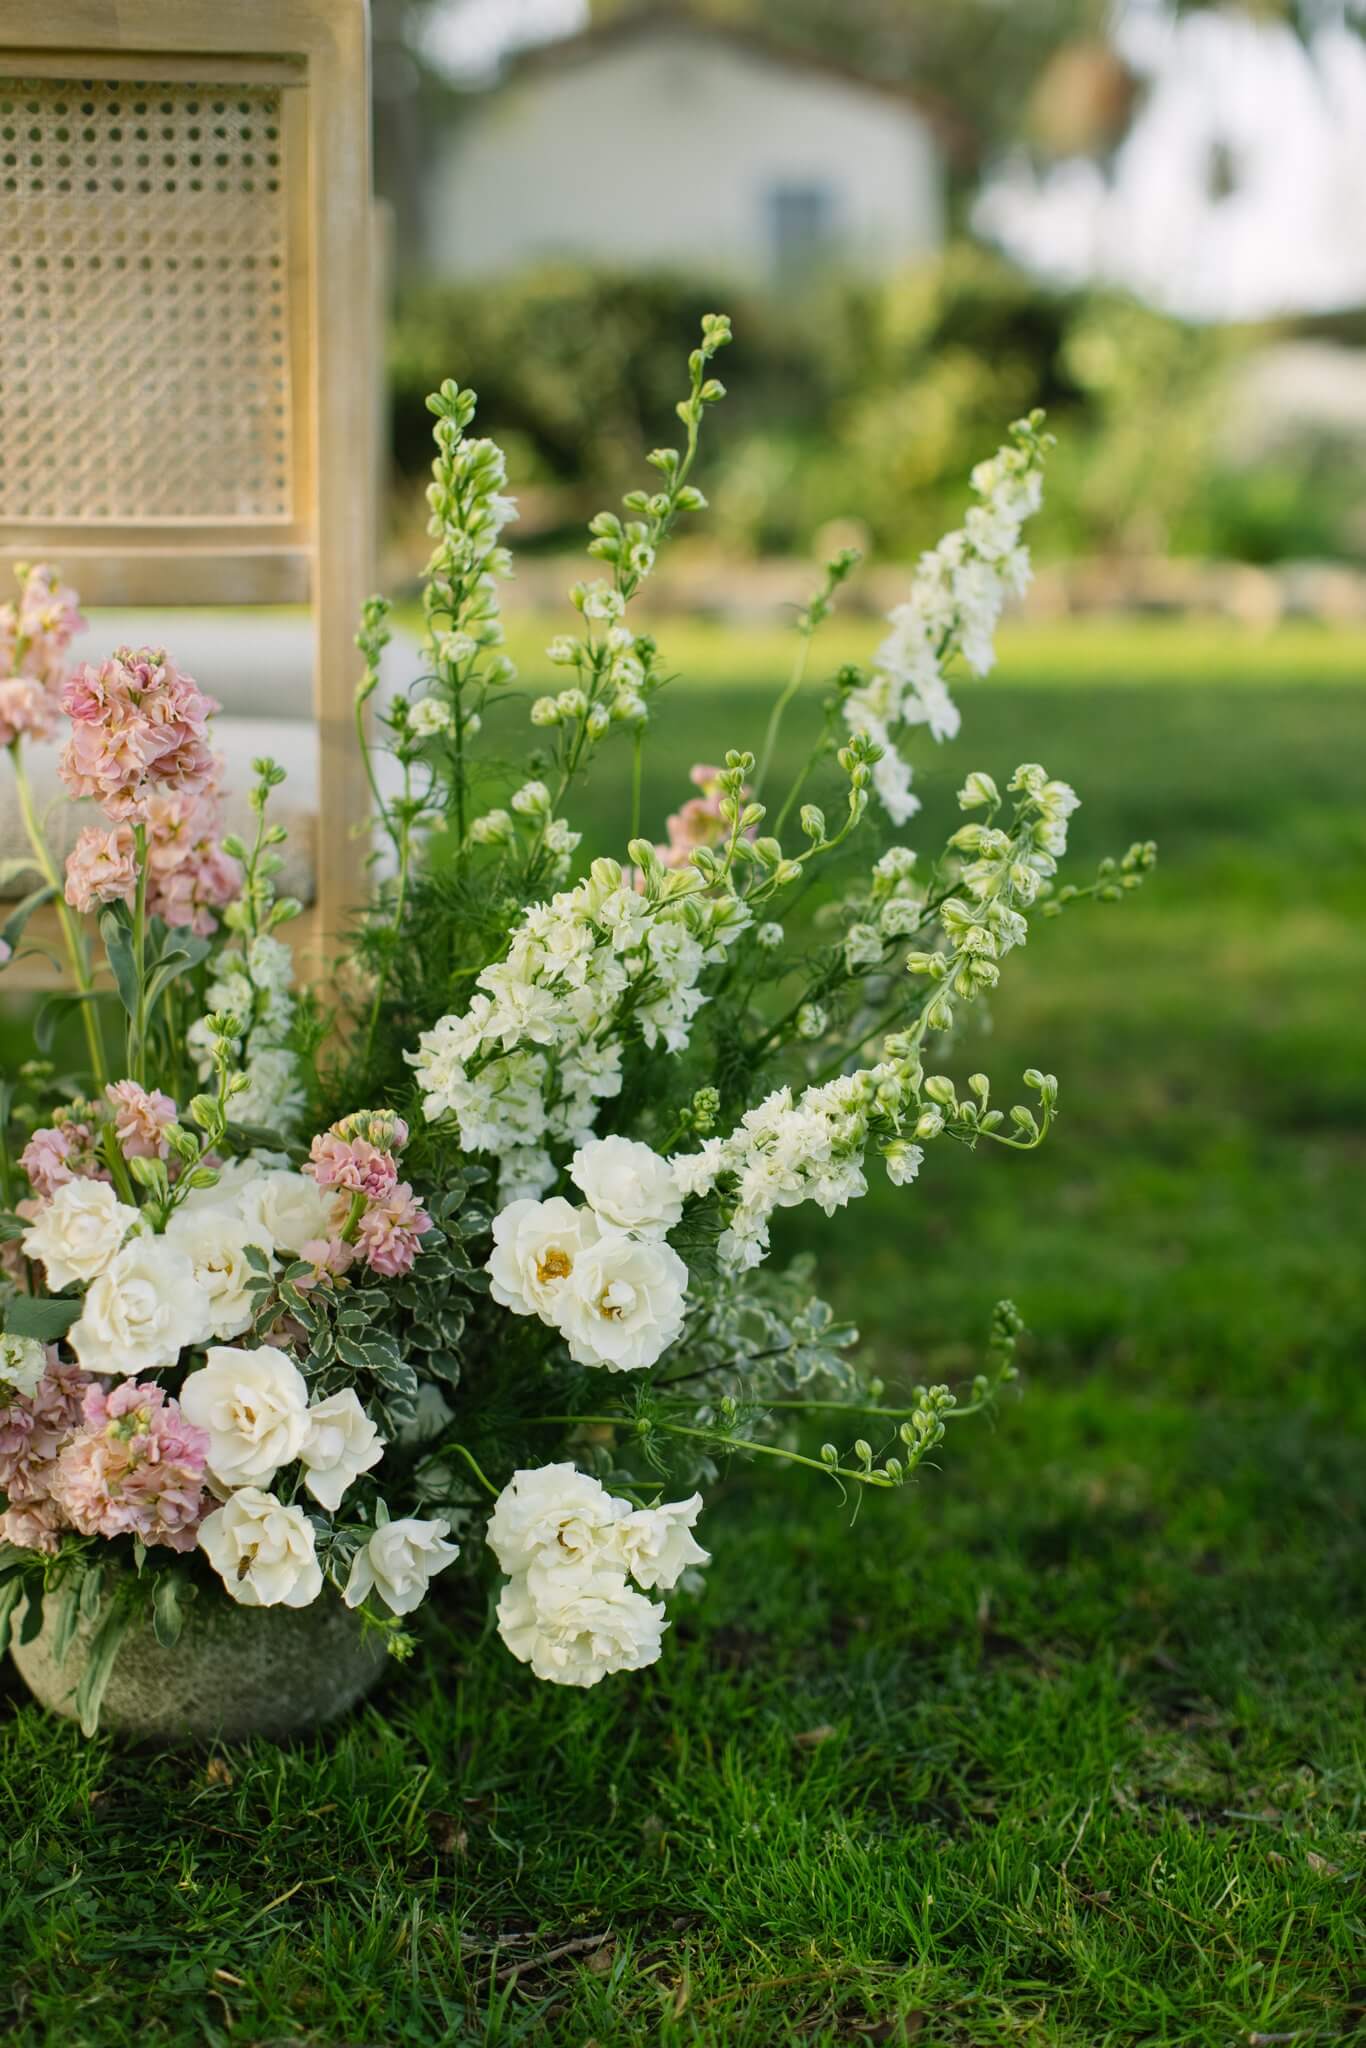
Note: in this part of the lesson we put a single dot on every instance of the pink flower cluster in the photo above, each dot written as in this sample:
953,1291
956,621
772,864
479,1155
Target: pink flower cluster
69,1147
139,745
66,1149
34,1430
134,1468
34,637
138,729
357,1158
189,877
698,822
140,1119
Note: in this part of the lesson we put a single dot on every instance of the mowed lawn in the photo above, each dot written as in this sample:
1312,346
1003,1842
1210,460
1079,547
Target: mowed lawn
1065,1745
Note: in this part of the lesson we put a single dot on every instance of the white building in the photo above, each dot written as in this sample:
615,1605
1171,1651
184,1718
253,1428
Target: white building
662,142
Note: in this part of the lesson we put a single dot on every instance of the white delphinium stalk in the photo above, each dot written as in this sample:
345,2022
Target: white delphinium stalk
525,1066
958,591
570,1549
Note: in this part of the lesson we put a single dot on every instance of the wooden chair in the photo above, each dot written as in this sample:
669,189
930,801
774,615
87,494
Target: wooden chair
188,361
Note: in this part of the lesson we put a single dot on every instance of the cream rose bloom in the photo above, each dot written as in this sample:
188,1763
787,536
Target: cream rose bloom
552,1512
234,1176
77,1232
656,1545
342,1442
576,1625
627,1185
284,1211
215,1242
254,1405
399,1562
262,1550
145,1308
623,1305
535,1248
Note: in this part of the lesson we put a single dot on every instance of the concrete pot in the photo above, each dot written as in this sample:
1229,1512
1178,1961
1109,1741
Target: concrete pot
236,1671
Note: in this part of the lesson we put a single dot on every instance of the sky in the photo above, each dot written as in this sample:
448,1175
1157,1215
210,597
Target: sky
1282,231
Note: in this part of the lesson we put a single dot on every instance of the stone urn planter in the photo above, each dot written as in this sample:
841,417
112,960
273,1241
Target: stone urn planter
236,1671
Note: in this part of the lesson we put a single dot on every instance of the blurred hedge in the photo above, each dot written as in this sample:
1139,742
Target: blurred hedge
869,402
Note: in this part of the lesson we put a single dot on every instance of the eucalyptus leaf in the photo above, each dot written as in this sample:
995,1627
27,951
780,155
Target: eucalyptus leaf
13,928
51,1012
11,1593
27,1315
100,1660
118,944
169,1601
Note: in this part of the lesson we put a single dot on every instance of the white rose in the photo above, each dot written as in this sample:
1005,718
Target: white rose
574,1627
141,1312
552,1512
262,1550
78,1231
284,1210
656,1545
342,1442
398,1563
623,1306
215,1242
627,1185
23,1361
535,1246
254,1405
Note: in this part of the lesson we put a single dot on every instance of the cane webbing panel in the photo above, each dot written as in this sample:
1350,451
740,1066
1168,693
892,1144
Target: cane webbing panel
144,318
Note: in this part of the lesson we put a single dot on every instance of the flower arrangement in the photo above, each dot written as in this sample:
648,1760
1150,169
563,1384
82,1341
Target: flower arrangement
304,1300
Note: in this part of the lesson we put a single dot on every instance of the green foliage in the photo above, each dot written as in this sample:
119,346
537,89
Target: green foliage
866,402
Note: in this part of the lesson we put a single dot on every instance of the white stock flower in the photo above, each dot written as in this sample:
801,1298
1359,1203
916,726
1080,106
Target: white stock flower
142,1311
77,1232
623,1305
535,1248
342,1442
399,1562
627,1185
284,1210
262,1550
574,1627
215,1241
254,1405
552,1513
656,1545
23,1361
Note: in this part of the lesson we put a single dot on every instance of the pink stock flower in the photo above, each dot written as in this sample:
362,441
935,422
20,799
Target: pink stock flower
101,868
389,1231
27,710
49,616
34,1430
382,1127
351,1163
61,1151
698,822
139,728
136,1468
189,876
328,1256
140,1119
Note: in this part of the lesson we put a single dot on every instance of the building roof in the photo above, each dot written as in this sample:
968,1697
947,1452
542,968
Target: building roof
634,24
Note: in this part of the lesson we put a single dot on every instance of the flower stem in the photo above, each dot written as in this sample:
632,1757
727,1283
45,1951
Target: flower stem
71,931
775,717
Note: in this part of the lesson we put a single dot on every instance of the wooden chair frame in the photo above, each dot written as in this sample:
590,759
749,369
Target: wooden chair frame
319,547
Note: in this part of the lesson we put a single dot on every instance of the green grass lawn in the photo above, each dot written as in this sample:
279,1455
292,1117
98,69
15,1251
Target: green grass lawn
1063,1746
